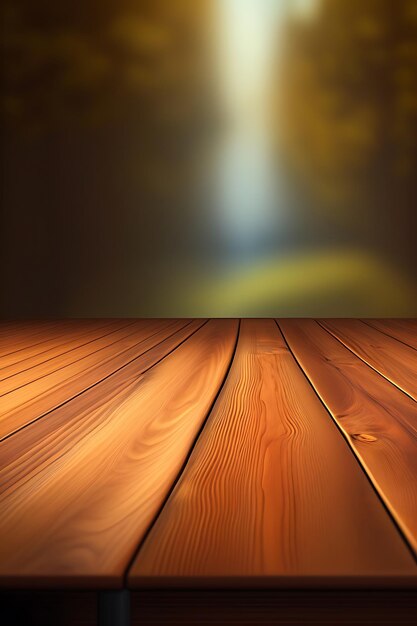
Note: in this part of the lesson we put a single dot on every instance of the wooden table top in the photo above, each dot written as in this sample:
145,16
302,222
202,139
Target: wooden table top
208,453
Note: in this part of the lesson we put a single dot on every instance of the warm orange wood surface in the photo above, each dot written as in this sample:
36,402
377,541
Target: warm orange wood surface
75,336
271,489
21,335
403,330
94,344
78,499
391,358
379,420
28,402
304,473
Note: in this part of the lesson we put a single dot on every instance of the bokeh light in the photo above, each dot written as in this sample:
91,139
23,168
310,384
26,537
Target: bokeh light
219,157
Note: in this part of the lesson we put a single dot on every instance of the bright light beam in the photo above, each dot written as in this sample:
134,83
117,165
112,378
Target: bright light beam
246,185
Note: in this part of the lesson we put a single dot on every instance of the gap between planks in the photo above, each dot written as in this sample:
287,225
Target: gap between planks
368,361
186,460
395,499
121,506
178,551
97,382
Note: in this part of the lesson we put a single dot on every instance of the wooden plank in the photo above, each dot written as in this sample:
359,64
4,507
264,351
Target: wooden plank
391,358
84,356
28,403
80,487
51,349
59,423
271,495
401,329
30,333
15,327
378,421
58,343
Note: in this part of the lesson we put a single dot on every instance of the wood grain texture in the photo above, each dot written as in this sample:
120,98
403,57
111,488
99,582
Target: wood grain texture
378,420
80,487
404,330
271,494
29,334
72,336
18,328
86,355
391,358
21,406
19,454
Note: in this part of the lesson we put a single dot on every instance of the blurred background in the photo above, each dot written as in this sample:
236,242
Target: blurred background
209,158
